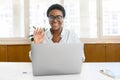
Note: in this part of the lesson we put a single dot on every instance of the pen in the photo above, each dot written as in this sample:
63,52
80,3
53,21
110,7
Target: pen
34,27
44,29
109,74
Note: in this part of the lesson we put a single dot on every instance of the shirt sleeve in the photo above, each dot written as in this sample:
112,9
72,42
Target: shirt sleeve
30,55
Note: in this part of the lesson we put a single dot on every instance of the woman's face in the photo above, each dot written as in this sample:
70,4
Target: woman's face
56,19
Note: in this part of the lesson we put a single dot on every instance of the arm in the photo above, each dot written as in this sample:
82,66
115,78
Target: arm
38,37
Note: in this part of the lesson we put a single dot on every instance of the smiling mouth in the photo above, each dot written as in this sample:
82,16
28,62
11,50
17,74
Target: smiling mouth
55,24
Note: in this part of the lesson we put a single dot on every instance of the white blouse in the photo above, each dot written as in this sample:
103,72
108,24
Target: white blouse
67,36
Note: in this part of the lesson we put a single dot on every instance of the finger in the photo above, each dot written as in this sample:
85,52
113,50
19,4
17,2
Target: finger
43,35
42,29
39,31
34,32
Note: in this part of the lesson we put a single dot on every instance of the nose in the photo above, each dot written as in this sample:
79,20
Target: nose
54,20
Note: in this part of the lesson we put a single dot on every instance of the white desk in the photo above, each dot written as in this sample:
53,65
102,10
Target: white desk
23,71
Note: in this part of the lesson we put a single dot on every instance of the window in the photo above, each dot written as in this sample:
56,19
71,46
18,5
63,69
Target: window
72,20
11,19
111,17
88,19
6,17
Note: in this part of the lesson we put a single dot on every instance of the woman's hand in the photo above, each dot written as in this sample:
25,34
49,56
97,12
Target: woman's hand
38,35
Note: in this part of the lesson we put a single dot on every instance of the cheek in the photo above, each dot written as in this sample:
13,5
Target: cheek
50,23
61,22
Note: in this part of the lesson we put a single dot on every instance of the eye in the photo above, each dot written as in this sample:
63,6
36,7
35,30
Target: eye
51,17
59,17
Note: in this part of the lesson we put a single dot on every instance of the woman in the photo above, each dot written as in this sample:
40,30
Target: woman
57,33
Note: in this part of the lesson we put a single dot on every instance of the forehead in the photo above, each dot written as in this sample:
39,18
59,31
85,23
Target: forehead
55,12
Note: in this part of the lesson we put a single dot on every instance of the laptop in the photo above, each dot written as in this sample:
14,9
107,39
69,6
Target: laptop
56,59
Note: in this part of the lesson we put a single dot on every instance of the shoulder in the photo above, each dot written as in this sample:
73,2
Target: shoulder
70,32
71,36
67,31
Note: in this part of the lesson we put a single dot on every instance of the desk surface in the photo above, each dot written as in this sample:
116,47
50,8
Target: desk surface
23,71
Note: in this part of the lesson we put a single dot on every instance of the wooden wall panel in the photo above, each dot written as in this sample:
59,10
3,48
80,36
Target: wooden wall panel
113,52
94,52
3,53
100,52
19,53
